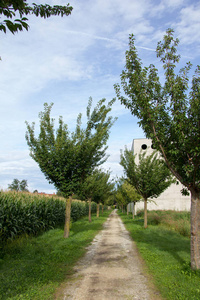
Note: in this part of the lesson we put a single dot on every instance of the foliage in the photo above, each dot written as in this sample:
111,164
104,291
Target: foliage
178,221
66,160
17,185
169,114
29,214
80,209
167,256
35,267
12,8
98,186
150,176
119,198
128,192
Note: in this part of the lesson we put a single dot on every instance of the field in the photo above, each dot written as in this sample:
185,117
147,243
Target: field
34,267
30,214
165,248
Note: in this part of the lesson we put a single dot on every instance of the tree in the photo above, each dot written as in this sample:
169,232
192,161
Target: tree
130,194
20,8
169,114
119,197
150,176
97,188
18,185
67,159
106,187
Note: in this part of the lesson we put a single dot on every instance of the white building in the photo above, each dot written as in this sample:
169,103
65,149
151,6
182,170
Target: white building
171,198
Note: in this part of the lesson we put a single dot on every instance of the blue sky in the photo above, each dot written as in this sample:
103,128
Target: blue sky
67,60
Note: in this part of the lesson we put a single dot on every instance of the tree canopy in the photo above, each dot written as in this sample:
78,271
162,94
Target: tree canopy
65,158
18,186
97,188
21,9
150,176
129,194
169,114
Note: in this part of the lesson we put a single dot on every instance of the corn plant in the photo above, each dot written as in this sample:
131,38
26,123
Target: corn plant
28,214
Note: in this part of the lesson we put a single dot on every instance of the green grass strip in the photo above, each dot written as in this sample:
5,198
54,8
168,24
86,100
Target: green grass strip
167,256
33,268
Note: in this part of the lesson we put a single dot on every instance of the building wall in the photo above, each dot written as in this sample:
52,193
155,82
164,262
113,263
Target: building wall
171,198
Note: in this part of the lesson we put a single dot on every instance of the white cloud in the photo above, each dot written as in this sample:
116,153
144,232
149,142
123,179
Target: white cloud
188,27
163,7
66,60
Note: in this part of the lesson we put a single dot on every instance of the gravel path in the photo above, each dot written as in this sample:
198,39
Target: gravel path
111,268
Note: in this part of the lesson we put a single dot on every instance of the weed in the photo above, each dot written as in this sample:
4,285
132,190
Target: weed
173,220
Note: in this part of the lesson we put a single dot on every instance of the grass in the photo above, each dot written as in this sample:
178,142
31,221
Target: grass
178,221
32,268
167,255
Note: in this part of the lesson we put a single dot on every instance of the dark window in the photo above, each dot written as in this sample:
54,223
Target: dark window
144,147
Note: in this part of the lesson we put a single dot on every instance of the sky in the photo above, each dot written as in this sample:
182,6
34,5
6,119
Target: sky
67,60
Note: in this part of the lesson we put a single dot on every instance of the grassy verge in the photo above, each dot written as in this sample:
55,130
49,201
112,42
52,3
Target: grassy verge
33,268
178,221
167,255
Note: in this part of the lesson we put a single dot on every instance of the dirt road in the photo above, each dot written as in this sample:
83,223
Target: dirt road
111,269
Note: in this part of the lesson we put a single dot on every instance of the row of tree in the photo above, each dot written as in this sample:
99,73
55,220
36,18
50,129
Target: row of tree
169,114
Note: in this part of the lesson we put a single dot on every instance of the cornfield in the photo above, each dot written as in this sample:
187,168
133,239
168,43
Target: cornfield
29,214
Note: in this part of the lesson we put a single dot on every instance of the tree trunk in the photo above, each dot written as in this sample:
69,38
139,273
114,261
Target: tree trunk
145,213
127,209
102,208
133,210
195,231
98,210
67,217
122,208
90,215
